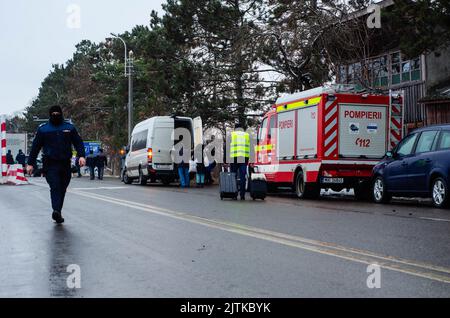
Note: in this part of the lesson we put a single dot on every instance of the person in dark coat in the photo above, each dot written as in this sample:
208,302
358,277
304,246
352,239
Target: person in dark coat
9,158
101,162
21,158
90,162
56,138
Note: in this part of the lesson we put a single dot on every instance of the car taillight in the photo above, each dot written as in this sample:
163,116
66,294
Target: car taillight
150,155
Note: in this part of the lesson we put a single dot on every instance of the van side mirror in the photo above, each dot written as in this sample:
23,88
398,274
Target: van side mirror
127,149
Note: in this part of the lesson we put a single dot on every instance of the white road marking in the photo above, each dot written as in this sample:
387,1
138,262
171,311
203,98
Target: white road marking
424,270
429,271
99,188
434,219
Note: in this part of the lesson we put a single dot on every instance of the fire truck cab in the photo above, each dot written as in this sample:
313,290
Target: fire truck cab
328,137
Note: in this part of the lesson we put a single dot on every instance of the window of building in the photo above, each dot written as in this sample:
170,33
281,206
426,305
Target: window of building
415,70
395,68
389,69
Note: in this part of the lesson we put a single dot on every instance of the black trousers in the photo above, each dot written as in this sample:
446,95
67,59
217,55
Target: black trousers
58,175
100,172
240,169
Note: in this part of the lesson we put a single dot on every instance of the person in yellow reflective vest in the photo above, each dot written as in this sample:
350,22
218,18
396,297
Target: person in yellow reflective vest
240,155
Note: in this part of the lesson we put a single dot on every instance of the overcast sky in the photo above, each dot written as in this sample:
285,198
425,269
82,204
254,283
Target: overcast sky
36,34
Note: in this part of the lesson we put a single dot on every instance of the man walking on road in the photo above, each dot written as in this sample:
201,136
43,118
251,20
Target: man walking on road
56,139
90,162
101,162
240,155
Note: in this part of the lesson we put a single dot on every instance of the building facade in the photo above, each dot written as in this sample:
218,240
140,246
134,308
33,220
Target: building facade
418,77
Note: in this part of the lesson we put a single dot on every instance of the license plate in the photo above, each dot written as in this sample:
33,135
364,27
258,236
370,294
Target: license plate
332,180
162,167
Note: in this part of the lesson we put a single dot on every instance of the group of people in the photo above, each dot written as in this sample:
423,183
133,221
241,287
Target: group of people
56,137
202,169
20,158
93,161
239,155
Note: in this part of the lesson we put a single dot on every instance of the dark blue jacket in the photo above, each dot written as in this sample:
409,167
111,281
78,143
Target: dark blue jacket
56,142
20,158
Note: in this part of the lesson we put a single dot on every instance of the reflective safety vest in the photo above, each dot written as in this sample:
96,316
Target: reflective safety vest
240,144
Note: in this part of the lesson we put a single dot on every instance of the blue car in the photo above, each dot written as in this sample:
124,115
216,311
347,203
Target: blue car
418,167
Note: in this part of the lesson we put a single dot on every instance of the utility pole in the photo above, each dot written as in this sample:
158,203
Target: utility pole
129,56
130,95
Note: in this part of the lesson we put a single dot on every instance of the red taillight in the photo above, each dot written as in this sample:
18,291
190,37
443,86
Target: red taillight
150,155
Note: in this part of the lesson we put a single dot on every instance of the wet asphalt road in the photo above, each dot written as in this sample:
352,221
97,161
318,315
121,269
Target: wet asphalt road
155,241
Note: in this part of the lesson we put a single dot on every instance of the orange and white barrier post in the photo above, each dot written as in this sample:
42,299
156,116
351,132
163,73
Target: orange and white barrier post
3,166
16,175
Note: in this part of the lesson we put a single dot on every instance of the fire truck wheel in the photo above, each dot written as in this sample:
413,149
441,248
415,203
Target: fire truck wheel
305,190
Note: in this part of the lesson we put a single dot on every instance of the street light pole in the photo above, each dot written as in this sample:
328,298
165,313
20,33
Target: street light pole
130,95
129,73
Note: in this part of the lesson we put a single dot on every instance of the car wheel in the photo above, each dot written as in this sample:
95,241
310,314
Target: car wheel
439,193
126,178
380,195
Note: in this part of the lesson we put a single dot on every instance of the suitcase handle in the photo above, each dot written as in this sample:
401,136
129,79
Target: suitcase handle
227,169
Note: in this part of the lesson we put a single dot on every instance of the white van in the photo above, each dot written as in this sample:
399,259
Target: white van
149,156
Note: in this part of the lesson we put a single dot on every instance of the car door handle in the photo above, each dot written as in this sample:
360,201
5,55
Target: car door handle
404,163
428,160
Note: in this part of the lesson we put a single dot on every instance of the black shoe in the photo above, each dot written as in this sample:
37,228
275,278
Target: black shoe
242,198
57,217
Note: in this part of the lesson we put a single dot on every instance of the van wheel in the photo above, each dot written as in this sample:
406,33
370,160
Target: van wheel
379,193
439,193
126,178
142,179
304,190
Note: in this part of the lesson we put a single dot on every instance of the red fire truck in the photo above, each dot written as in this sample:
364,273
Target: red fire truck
328,137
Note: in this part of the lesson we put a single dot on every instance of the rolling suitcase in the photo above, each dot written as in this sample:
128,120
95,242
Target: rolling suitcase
228,185
258,187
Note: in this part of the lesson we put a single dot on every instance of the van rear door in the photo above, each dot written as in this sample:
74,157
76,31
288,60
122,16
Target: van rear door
198,132
162,144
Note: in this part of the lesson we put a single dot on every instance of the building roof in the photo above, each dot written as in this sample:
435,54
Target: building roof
440,95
